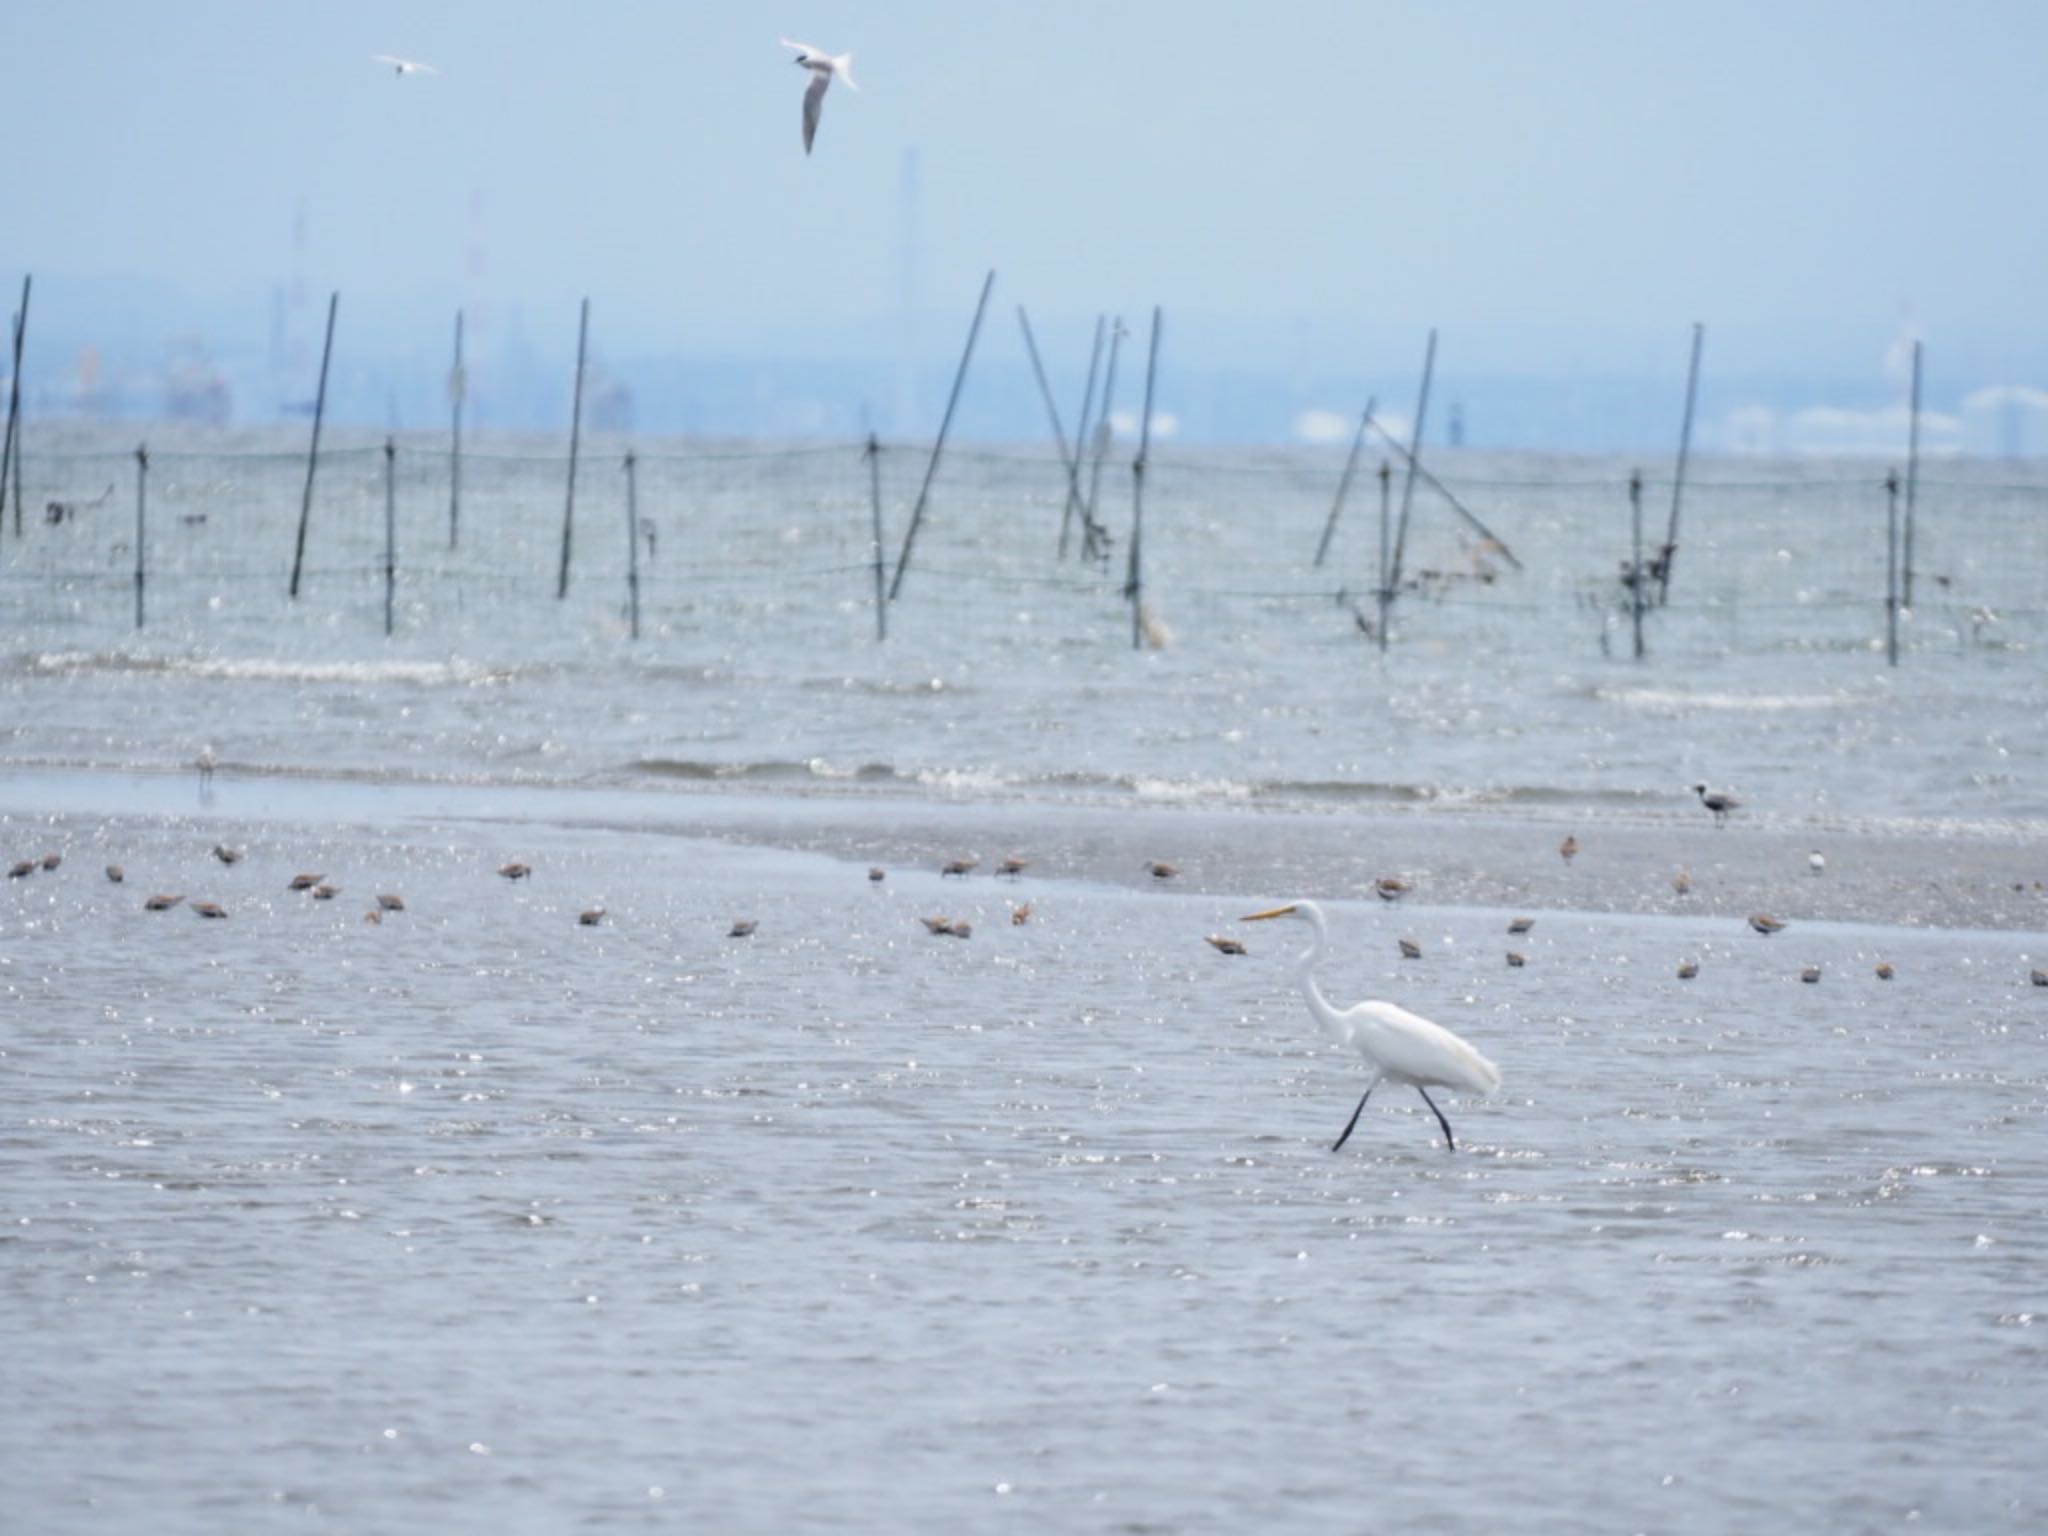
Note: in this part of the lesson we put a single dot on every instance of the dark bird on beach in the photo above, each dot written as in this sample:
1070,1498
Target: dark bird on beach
1013,867
951,927
1020,914
2039,978
1716,802
23,869
226,854
52,860
515,871
161,903
1517,959
743,928
1521,924
1225,946
1569,848
958,867
877,874
1885,972
1410,950
390,902
1687,969
1682,883
116,873
591,917
1391,887
326,892
1160,871
305,882
373,916
1810,975
209,909
1765,924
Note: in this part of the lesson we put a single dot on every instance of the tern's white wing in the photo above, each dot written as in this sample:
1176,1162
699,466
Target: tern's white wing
804,50
814,101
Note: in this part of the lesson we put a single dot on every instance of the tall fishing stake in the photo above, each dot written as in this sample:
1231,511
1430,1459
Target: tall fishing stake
141,501
633,543
458,387
1692,388
1386,591
1092,540
1912,483
1891,568
313,451
390,531
1068,462
1081,435
575,443
1636,584
874,458
1134,579
1414,457
10,453
939,444
1344,483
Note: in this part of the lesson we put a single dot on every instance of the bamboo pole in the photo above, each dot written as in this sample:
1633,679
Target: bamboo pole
141,527
1386,591
1068,462
633,543
1891,568
874,458
575,444
1081,435
931,469
313,451
1414,457
1092,541
390,532
1692,389
10,454
458,389
1912,484
1344,483
1134,580
1636,583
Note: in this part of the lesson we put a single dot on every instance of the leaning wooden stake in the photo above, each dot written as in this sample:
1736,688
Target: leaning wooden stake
1414,457
1636,583
1692,389
633,544
575,443
1912,484
1134,579
141,527
874,458
390,531
1891,568
939,444
458,387
1070,462
1471,519
10,453
1081,435
1386,590
1093,541
313,451
1344,483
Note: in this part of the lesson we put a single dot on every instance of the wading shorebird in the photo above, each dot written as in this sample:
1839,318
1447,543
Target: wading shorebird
1226,946
958,868
52,860
1410,950
21,869
1160,871
1765,924
1020,915
1521,924
823,66
209,909
390,901
161,903
515,870
1568,849
1682,883
1885,971
743,928
877,874
1810,975
305,882
1391,887
1716,802
591,917
1815,862
1402,1047
116,873
226,854
1687,969
1011,868
1517,959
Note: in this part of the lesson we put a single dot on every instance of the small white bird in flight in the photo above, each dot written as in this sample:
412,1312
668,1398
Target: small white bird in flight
823,66
404,66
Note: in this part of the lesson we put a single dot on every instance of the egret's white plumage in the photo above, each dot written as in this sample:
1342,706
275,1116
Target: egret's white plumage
823,66
1403,1047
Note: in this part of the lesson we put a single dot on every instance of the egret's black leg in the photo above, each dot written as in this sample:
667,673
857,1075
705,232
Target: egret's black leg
1352,1124
1449,1141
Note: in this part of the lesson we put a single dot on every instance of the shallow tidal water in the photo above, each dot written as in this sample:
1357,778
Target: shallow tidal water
480,1215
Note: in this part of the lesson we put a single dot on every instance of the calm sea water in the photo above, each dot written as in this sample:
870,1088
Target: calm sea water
479,1215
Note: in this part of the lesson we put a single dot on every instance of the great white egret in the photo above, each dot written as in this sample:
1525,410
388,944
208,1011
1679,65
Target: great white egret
1403,1047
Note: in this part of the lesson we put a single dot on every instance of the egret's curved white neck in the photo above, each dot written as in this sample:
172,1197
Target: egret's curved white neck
1305,973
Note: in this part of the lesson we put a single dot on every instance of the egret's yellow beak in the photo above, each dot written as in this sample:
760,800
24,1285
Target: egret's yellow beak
1259,917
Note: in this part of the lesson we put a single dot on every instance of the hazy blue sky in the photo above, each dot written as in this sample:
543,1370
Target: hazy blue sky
1514,172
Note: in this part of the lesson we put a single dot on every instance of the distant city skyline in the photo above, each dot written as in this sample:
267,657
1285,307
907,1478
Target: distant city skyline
1306,191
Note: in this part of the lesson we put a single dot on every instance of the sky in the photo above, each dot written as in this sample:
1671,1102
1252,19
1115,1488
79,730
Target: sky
1563,188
